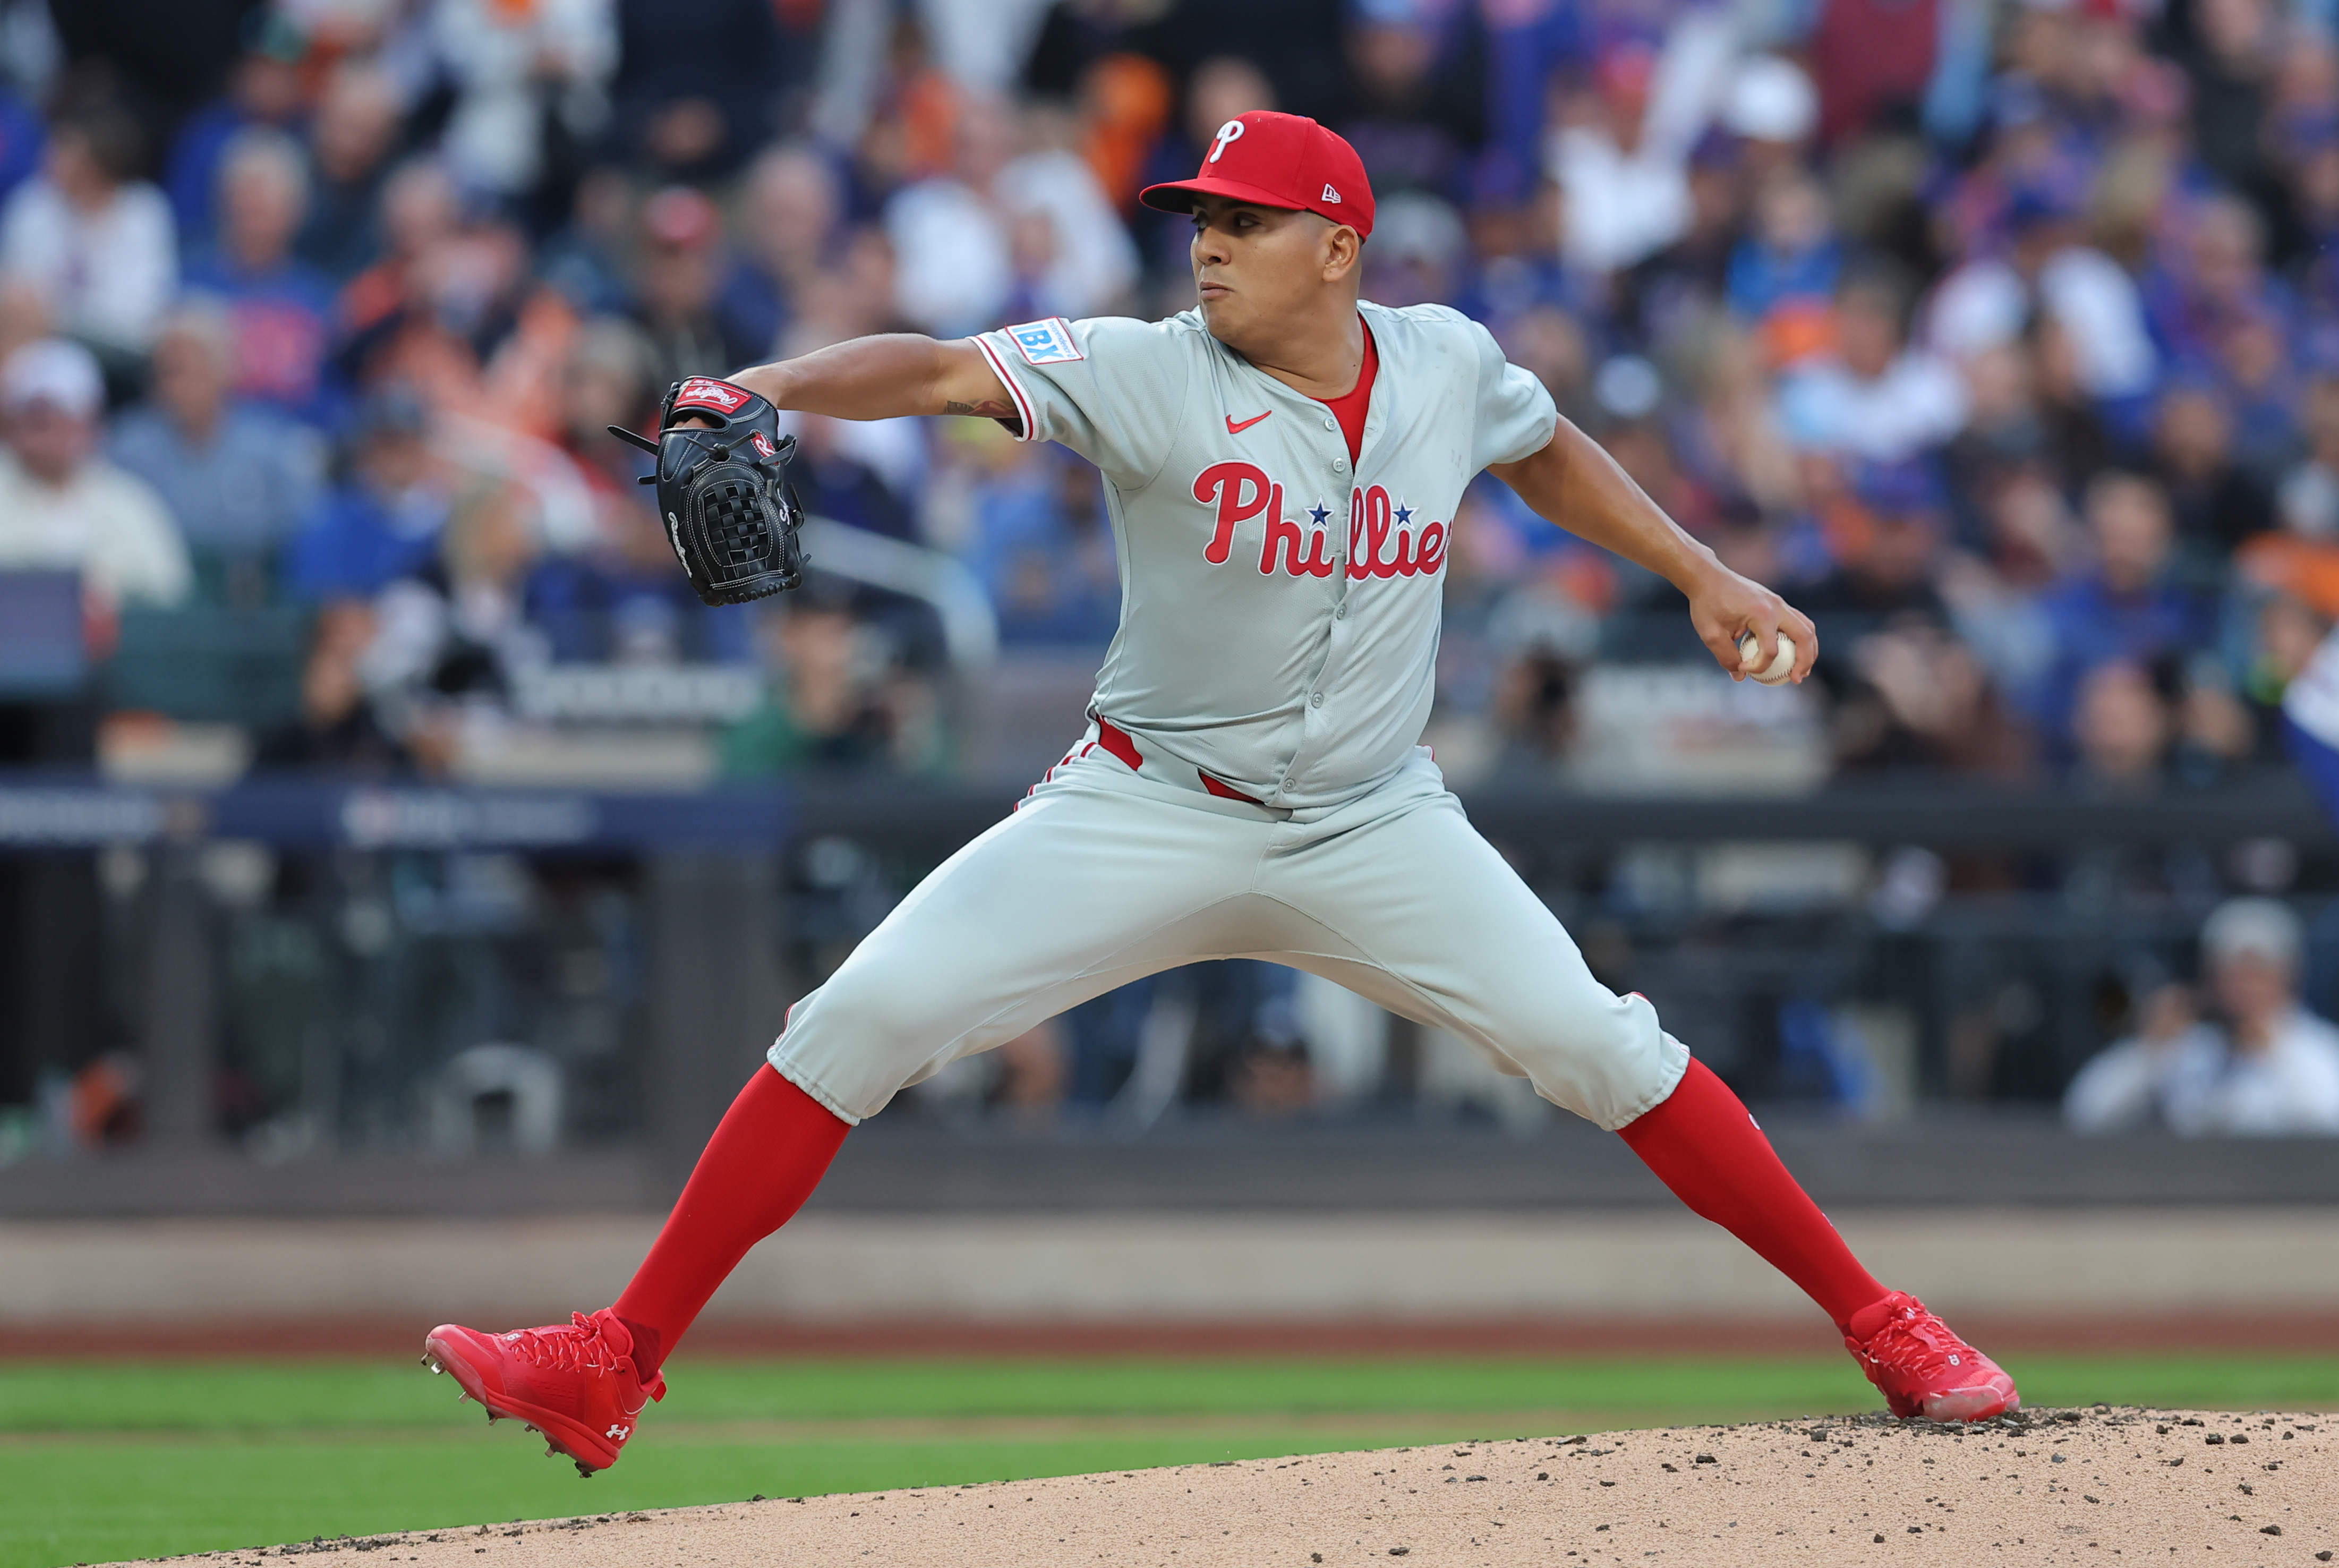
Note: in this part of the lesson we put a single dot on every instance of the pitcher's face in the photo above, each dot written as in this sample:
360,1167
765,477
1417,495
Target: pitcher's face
1257,268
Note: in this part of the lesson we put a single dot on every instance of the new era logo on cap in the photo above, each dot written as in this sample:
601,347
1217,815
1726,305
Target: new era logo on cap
1272,160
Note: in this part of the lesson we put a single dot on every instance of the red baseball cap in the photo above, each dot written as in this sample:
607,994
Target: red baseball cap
1286,161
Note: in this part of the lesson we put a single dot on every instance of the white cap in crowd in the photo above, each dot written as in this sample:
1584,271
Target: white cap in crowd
1771,99
2253,928
52,371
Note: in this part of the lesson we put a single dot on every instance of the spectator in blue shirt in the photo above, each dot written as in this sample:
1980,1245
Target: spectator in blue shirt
836,481
1044,549
383,522
2126,606
264,92
352,149
791,206
21,138
2212,276
283,308
237,478
2215,501
1791,257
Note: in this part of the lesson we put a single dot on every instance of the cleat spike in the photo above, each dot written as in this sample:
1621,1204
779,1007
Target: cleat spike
583,1470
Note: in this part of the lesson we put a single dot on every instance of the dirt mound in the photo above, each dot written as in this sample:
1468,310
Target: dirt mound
2073,1485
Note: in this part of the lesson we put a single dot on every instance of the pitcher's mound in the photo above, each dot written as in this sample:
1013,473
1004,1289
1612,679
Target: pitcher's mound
2041,1486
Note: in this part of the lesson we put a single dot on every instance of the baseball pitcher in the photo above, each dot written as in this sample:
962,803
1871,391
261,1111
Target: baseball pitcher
1283,465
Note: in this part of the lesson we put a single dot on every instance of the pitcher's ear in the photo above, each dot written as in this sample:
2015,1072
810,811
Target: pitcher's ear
1343,250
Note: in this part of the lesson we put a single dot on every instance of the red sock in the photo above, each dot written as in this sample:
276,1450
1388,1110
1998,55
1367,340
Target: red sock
768,1153
1703,1144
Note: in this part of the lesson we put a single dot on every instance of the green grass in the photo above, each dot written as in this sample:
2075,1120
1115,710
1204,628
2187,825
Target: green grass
99,1462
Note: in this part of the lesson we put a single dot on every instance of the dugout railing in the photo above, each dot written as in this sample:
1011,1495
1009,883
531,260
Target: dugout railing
724,904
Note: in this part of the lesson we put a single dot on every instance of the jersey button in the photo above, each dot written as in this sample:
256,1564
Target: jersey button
1331,424
1340,613
1340,465
1316,701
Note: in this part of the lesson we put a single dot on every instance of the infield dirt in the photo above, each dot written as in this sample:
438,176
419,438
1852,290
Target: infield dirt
2043,1486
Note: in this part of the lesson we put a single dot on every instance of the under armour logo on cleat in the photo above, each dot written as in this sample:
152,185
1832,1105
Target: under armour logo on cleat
619,1432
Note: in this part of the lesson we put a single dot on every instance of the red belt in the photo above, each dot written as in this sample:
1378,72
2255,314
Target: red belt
1225,792
1115,739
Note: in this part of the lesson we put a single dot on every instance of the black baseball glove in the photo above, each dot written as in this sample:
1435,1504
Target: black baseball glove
730,512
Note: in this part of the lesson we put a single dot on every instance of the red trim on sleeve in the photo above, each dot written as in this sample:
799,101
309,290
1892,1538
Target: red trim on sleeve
1031,431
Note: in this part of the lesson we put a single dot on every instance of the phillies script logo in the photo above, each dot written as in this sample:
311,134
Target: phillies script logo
1382,539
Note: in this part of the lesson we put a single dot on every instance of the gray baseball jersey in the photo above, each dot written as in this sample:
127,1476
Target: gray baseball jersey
1250,784
1279,605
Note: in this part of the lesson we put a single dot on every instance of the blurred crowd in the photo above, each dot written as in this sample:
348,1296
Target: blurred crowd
2258,1064
2003,337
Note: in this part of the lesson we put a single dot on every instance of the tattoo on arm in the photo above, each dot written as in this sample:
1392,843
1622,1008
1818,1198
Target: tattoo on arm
988,409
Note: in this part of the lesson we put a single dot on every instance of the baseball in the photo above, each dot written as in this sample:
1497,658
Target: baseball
1749,648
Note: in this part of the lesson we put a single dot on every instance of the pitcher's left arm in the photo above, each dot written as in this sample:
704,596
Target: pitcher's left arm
1575,483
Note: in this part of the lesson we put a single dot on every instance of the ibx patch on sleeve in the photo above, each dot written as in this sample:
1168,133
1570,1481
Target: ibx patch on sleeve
1048,342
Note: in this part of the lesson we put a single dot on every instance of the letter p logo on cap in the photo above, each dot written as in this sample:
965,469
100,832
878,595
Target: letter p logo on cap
1272,160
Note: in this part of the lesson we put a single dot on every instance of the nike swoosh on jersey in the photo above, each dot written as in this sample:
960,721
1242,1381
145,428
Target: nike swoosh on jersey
1236,430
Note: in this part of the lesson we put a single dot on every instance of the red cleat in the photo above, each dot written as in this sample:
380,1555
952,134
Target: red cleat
572,1382
1922,1369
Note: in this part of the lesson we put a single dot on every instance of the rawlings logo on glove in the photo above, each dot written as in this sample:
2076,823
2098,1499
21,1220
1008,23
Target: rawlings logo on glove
730,512
706,392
